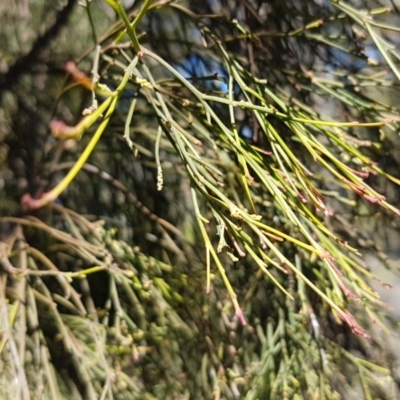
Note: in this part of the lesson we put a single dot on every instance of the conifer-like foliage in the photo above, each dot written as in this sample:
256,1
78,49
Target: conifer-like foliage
189,227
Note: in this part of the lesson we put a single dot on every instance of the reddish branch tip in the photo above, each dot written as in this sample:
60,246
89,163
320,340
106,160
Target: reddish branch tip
70,67
347,292
78,75
33,204
302,198
29,202
241,317
60,130
57,127
354,326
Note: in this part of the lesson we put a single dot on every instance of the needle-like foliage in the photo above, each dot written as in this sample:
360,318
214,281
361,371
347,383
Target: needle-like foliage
234,143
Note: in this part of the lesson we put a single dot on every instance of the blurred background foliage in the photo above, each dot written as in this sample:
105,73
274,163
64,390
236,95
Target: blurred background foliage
244,157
